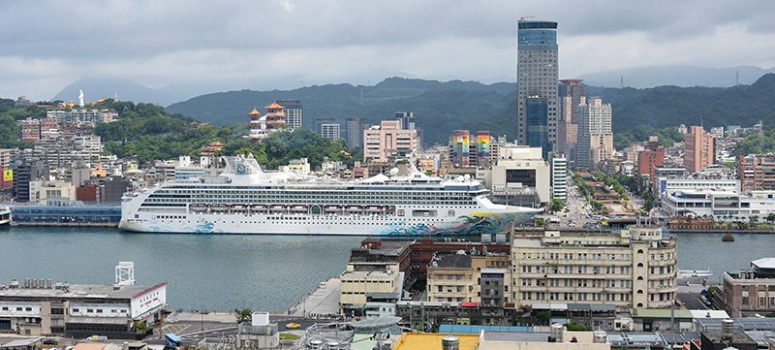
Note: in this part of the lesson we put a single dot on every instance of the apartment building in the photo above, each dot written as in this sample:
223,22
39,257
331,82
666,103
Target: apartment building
756,172
373,274
389,141
633,269
463,277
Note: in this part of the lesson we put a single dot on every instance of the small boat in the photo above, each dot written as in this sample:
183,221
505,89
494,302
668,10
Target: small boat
239,207
683,274
278,208
198,207
219,207
374,209
5,217
353,208
331,208
728,238
256,207
299,208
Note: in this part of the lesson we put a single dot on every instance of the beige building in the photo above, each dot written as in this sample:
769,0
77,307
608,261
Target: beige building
633,269
373,274
44,192
389,141
457,278
750,291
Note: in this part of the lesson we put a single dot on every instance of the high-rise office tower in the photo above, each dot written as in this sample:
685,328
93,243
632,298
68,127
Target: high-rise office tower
354,128
406,119
570,93
537,74
293,112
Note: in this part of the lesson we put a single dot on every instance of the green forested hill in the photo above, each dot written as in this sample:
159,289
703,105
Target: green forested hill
441,107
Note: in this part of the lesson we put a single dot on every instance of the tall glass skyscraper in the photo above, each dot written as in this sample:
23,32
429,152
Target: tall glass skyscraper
537,79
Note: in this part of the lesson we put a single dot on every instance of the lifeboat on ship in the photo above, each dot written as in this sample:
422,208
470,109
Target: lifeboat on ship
219,208
257,207
375,209
239,207
354,208
198,208
277,208
333,208
299,208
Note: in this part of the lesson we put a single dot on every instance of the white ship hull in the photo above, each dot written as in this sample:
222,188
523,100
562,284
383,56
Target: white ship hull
303,224
247,201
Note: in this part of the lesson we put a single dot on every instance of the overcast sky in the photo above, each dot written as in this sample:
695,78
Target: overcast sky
268,44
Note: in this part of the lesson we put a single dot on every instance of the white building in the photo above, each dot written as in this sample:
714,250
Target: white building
330,131
559,177
722,205
520,173
668,185
41,307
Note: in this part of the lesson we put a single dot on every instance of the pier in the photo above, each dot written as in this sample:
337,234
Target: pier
67,216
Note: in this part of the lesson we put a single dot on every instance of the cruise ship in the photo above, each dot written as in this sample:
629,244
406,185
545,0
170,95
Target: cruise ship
245,200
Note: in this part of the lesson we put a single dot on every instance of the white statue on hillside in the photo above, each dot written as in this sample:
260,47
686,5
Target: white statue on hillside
80,98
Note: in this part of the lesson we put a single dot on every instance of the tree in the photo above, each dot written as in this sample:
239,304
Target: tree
771,217
244,315
556,205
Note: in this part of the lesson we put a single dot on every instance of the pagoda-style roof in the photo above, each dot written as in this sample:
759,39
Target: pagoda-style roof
254,113
274,105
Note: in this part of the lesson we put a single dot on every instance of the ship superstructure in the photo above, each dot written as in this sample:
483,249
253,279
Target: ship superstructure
246,200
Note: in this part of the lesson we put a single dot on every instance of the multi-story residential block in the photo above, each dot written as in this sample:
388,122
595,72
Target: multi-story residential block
330,131
756,172
459,277
92,116
633,269
650,159
537,88
750,291
698,149
467,150
723,206
294,111
50,192
373,272
389,141
595,141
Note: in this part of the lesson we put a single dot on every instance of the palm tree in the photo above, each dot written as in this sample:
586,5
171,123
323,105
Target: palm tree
244,315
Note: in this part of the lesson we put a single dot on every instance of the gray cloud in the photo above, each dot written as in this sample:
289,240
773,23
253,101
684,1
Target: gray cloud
282,43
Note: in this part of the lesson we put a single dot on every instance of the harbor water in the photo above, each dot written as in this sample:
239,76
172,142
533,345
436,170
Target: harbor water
260,272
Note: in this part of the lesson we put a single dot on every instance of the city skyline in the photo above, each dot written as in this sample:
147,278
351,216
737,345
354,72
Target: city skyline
288,44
